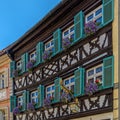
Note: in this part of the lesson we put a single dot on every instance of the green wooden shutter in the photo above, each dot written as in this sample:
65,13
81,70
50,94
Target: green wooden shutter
79,82
108,72
40,96
28,96
39,53
78,26
12,102
57,41
57,90
12,68
24,105
108,11
24,60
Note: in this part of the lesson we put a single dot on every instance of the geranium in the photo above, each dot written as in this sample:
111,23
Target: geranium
65,97
98,82
47,54
91,88
91,27
48,101
16,110
30,106
66,42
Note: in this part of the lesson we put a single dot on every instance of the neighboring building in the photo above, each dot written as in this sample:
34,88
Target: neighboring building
68,60
5,86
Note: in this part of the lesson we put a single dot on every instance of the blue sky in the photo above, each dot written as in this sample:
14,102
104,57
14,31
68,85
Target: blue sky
18,16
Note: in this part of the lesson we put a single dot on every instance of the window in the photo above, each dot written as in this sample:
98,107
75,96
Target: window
50,90
69,83
68,33
32,56
94,74
18,65
2,81
20,100
95,15
49,45
34,96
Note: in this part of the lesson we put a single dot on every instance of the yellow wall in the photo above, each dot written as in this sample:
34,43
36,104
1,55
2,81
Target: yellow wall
115,53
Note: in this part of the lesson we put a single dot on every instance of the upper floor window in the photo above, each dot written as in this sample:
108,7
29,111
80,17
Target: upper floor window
20,100
18,65
94,73
95,15
49,45
32,56
50,90
68,33
2,80
34,96
69,83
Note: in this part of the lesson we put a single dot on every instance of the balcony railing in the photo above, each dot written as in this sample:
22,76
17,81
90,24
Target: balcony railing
92,47
100,102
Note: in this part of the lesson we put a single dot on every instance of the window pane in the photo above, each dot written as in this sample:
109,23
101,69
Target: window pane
99,20
71,29
66,33
99,69
98,12
48,89
66,82
90,17
53,87
48,95
91,72
52,43
99,77
72,80
91,80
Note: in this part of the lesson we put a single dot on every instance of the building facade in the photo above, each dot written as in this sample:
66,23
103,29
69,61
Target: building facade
66,66
5,86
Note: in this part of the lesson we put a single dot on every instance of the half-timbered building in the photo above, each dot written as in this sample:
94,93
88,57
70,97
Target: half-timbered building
63,68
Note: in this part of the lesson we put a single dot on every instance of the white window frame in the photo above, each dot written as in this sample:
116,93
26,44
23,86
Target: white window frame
32,57
18,67
2,80
69,32
94,16
20,100
51,92
70,83
95,75
51,45
34,98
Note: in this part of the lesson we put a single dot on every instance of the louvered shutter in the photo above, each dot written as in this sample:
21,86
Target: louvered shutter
6,77
78,26
12,102
57,90
108,72
26,60
108,11
39,53
12,68
79,82
24,104
57,41
40,96
28,96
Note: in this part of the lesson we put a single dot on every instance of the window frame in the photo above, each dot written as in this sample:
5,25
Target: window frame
51,92
34,97
51,42
32,53
69,86
2,80
95,75
94,16
20,101
19,67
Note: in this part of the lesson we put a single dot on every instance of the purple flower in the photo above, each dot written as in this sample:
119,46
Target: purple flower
29,65
66,42
30,106
91,88
65,97
47,54
16,111
91,27
48,101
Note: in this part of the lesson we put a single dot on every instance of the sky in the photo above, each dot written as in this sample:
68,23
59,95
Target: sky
18,16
